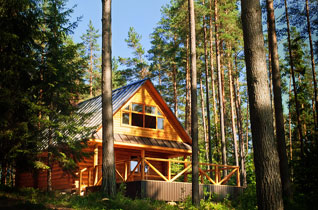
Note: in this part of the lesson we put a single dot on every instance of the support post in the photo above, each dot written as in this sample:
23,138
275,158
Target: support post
80,182
238,182
142,164
217,174
169,170
185,166
96,164
126,171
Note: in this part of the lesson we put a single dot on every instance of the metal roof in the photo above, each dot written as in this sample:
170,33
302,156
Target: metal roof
119,97
129,139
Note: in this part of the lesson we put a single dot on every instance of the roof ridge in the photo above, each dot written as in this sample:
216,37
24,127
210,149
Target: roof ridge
134,83
131,84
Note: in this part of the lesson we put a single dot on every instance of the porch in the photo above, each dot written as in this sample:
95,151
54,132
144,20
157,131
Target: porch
165,179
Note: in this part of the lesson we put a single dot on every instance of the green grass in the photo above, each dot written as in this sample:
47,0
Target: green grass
30,198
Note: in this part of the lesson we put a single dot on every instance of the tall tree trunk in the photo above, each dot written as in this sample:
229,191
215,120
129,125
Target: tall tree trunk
206,66
204,121
188,92
247,130
214,101
279,117
91,73
194,115
108,159
268,187
175,95
218,64
174,77
291,63
237,98
312,64
234,134
290,120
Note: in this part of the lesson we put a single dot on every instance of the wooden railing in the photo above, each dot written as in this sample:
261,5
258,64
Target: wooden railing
210,173
221,173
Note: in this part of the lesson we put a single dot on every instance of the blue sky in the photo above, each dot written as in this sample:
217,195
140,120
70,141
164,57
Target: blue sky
143,15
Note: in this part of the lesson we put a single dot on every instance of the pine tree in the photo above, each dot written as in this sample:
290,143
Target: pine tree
137,67
108,159
194,119
91,45
266,160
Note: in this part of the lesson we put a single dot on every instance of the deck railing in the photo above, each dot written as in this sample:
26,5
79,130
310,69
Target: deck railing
209,173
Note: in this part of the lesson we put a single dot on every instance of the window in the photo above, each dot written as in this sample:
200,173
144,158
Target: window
137,107
160,123
125,118
150,110
150,121
142,116
133,164
137,120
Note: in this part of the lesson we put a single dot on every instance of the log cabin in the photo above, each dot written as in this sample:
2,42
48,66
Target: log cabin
150,145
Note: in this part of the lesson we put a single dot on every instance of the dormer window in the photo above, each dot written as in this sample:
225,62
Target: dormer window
144,116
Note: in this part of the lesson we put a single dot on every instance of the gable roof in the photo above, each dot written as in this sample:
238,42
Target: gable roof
119,97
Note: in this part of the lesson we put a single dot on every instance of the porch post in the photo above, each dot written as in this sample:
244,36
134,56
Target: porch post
96,164
142,164
185,165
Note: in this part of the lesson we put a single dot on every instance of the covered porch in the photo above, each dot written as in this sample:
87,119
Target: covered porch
162,163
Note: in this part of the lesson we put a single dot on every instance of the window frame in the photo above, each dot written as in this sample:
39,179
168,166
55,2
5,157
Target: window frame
130,111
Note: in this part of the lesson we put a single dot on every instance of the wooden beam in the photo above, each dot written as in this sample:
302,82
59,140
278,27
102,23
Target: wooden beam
119,175
142,164
207,176
179,174
133,172
96,163
169,170
156,170
228,176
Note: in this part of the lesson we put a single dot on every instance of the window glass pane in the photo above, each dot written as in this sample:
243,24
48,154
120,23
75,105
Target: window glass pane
160,123
137,107
150,121
125,118
159,113
133,164
137,119
127,107
150,109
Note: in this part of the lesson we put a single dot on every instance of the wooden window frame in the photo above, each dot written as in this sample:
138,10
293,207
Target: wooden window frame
130,111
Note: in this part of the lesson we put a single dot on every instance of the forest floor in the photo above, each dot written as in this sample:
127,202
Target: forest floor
29,199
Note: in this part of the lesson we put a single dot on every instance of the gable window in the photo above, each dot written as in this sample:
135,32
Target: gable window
144,116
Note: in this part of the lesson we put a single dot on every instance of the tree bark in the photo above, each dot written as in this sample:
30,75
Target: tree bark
108,159
194,115
234,134
268,187
214,101
91,73
279,117
188,93
291,63
218,64
312,63
204,121
206,66
237,98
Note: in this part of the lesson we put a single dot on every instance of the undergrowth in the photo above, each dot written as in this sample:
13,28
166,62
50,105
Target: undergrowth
29,198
